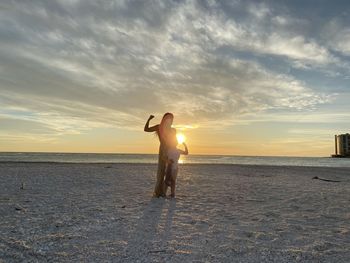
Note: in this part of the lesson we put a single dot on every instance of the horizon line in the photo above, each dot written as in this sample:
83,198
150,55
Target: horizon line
126,153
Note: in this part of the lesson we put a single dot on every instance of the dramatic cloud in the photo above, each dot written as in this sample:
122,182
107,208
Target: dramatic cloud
71,66
337,36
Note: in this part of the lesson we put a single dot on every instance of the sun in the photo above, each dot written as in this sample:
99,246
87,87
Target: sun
180,138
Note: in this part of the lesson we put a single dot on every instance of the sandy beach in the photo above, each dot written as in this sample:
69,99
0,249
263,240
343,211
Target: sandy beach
222,213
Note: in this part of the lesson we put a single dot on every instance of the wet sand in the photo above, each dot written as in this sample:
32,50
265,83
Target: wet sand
222,213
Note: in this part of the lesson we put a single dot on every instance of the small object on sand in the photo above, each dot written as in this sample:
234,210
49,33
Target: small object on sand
18,208
123,206
22,186
326,180
157,251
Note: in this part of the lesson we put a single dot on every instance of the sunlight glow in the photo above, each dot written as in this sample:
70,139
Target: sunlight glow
182,127
180,138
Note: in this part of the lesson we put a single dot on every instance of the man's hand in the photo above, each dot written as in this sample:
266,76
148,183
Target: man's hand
151,117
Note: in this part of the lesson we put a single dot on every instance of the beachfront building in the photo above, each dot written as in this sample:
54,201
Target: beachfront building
342,145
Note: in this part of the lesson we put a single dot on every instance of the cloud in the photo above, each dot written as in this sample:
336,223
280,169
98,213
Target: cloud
77,65
337,36
13,125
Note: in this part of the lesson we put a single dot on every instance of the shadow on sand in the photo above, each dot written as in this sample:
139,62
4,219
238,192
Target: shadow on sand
153,230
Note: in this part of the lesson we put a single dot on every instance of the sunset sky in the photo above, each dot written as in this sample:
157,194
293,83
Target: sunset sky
241,77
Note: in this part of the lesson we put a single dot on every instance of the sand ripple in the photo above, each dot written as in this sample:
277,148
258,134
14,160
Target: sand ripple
223,213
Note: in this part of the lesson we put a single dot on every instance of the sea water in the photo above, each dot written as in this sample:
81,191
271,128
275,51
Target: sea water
190,159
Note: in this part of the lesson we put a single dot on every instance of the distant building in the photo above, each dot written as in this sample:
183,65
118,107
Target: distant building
342,145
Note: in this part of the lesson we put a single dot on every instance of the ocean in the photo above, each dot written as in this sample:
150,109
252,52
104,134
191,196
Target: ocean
190,159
